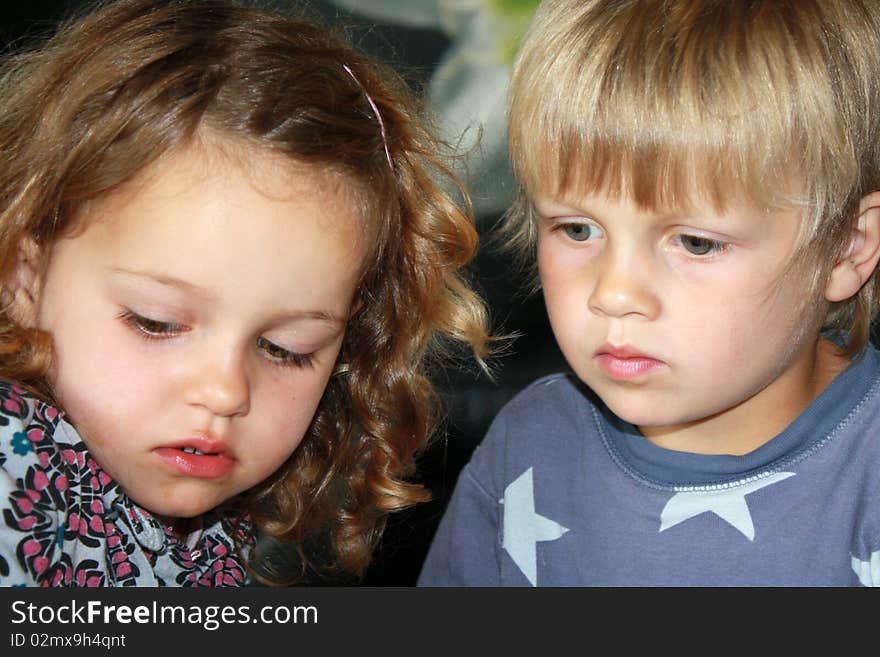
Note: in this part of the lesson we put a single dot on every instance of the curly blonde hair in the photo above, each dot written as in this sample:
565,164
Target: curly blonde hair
131,80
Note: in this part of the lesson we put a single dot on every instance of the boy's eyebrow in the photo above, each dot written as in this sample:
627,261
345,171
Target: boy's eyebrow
198,290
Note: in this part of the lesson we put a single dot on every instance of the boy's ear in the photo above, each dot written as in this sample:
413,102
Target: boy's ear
860,260
21,290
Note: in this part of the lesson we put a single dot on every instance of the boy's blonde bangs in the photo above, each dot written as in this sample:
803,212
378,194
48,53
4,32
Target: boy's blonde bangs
642,108
616,155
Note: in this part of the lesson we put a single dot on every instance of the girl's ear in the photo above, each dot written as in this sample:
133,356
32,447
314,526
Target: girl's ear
21,291
859,262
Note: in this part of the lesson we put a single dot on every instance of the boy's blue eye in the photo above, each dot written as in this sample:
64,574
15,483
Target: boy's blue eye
580,232
700,245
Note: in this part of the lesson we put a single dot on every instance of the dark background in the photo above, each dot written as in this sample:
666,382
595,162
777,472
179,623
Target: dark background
471,399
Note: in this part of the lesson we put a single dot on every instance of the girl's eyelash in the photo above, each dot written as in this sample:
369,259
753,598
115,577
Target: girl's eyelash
284,357
151,329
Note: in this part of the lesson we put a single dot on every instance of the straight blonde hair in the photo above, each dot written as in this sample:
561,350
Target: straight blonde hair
669,101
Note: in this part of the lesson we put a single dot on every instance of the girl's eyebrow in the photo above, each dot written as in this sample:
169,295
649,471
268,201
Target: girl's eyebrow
198,290
164,279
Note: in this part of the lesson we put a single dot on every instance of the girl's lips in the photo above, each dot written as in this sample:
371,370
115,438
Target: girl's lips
625,363
201,466
214,460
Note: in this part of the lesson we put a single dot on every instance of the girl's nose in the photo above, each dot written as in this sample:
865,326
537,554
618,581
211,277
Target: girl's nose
219,381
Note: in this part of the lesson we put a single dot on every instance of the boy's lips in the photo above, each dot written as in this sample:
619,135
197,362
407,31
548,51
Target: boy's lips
624,362
197,456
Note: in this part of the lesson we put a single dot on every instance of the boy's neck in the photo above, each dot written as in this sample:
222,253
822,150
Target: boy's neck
759,419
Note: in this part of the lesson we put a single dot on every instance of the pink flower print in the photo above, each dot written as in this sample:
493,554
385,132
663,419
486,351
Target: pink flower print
72,457
188,578
235,572
97,524
223,579
25,504
32,548
13,405
27,523
40,480
88,574
224,572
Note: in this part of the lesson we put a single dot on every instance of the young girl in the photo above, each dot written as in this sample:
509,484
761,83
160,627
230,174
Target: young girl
227,262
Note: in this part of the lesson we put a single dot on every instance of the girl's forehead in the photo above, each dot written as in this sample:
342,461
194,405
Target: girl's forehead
183,217
213,162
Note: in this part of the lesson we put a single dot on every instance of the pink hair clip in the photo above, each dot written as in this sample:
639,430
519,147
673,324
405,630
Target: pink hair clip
376,112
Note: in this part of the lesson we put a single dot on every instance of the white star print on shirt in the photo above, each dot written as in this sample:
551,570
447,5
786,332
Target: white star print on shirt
523,528
868,571
728,504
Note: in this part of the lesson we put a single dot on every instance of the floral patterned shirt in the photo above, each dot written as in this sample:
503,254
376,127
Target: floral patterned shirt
65,522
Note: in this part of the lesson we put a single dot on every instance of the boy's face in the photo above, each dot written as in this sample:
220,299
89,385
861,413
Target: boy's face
199,310
683,324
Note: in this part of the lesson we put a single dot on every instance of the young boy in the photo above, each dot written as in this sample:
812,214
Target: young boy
700,187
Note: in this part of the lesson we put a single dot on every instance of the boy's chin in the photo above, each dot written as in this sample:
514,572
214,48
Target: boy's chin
639,409
653,421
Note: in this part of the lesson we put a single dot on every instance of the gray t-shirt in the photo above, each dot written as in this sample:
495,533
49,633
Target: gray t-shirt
563,493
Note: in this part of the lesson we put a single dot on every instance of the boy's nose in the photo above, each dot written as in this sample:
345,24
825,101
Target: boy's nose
219,382
623,287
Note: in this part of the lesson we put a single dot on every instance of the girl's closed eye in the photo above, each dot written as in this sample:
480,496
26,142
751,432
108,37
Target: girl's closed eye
151,329
284,357
698,245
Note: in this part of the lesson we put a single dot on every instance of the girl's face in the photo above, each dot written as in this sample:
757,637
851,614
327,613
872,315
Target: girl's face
196,320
